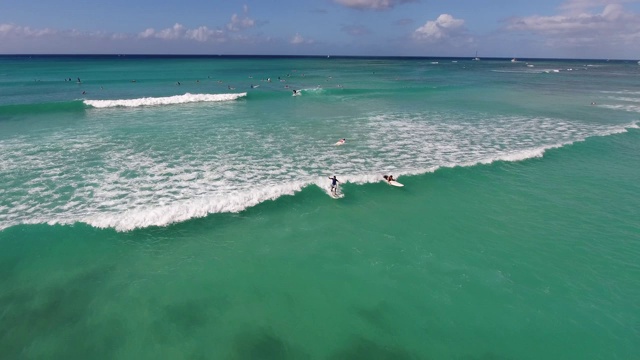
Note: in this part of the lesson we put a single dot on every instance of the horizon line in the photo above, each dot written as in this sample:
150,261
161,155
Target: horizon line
311,56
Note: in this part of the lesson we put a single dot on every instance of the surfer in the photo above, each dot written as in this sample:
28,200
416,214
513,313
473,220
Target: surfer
334,184
389,178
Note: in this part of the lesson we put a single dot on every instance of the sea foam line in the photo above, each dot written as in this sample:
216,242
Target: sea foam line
196,208
237,201
191,208
168,100
513,156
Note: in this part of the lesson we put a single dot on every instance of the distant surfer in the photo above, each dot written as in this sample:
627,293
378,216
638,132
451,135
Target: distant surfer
389,178
334,184
341,141
296,92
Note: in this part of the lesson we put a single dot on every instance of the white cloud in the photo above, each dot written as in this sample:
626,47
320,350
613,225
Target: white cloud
119,36
24,31
147,33
14,38
178,31
175,32
372,4
576,7
13,32
298,39
444,27
578,27
204,34
238,23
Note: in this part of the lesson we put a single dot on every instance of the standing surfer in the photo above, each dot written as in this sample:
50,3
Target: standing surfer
334,184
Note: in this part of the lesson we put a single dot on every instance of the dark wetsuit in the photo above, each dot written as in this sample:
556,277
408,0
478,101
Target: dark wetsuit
334,184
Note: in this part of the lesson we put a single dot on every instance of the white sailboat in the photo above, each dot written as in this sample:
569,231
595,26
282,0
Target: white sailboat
476,58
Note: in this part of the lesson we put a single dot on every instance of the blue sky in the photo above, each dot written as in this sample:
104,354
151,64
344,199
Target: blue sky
494,28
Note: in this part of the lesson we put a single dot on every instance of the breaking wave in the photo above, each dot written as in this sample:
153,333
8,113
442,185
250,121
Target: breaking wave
168,100
173,194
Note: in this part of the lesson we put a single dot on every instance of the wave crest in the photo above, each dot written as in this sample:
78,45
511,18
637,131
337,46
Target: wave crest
190,209
168,100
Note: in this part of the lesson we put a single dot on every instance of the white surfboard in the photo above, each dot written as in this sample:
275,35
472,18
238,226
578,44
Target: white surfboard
336,195
392,182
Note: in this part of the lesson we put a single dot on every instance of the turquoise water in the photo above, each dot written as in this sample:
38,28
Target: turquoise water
149,219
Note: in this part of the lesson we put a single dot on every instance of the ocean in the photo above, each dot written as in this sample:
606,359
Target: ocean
178,207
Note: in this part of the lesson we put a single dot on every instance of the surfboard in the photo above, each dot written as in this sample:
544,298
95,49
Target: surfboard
392,182
336,195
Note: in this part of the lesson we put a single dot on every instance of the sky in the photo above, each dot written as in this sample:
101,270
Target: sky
593,29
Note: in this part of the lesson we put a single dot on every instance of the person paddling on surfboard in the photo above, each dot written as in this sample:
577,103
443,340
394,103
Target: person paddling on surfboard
392,181
334,184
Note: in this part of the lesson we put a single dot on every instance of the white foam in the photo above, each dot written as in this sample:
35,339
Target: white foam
190,208
625,92
103,181
519,155
628,107
627,99
169,100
